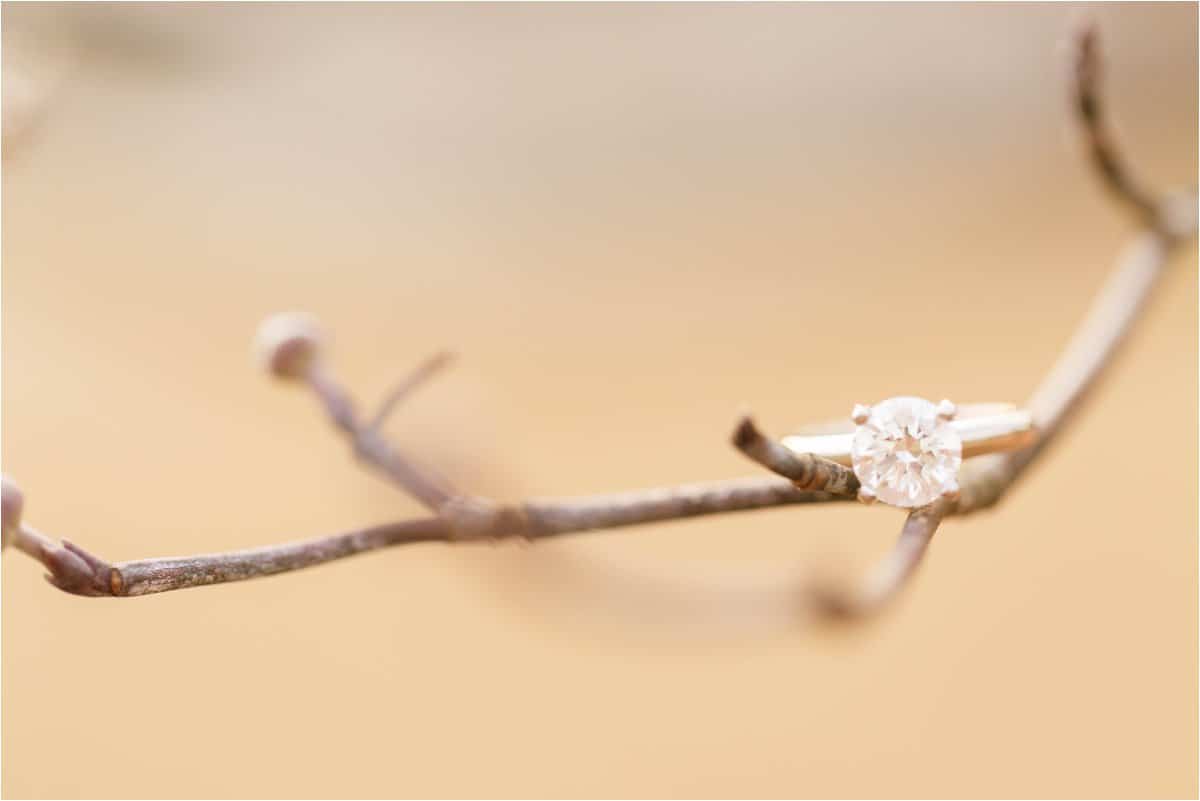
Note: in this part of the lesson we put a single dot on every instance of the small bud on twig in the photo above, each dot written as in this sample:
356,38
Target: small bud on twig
12,503
287,344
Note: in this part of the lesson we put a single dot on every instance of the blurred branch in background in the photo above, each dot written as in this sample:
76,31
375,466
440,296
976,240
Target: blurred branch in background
291,348
35,65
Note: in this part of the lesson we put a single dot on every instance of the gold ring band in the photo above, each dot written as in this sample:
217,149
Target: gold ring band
983,428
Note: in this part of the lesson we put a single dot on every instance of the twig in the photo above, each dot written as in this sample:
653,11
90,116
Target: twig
805,471
423,372
76,571
890,574
1078,369
369,444
146,576
569,515
986,479
291,348
1097,132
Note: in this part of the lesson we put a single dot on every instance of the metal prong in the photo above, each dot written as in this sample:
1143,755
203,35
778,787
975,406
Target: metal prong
952,491
946,410
866,496
860,413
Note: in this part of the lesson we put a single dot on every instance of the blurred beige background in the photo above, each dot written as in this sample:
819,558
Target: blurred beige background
631,222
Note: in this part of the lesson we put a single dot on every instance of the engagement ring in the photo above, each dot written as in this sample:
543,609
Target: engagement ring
906,451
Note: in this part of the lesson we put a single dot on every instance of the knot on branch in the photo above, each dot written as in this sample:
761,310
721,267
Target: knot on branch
472,518
74,570
984,479
834,603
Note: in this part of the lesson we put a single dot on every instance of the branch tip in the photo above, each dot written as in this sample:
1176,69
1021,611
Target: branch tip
74,570
288,344
419,375
746,433
12,503
832,604
805,471
1086,81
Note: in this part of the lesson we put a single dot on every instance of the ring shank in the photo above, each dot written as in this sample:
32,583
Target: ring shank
983,428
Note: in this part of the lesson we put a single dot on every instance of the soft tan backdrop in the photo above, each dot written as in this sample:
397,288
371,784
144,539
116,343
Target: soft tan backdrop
631,222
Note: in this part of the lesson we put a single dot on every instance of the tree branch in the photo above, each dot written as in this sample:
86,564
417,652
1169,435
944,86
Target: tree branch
889,575
147,576
76,571
290,346
370,446
1096,129
984,480
423,372
805,471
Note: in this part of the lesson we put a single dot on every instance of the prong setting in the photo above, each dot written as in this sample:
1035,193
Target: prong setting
860,414
908,454
946,410
866,496
952,490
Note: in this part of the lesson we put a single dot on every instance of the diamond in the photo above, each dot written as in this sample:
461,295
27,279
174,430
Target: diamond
905,453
